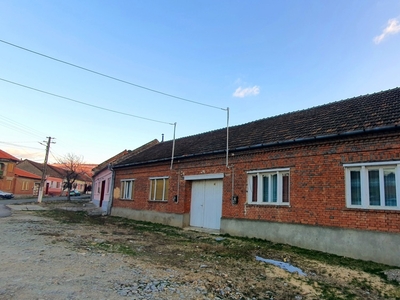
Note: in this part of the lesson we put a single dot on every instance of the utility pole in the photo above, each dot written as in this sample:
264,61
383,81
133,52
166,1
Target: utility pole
40,196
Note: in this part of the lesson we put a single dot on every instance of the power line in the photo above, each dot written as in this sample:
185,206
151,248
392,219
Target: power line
55,158
111,77
9,123
15,145
84,103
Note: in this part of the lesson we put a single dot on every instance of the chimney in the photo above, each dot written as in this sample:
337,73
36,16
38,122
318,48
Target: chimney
162,137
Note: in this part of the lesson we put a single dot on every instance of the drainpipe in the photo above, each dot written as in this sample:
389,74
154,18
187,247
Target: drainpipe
110,199
91,191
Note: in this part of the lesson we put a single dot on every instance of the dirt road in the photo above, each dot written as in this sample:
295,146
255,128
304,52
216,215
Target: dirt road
33,266
66,255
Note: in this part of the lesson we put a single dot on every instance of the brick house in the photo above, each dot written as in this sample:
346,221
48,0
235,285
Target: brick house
7,171
25,183
325,178
54,180
14,180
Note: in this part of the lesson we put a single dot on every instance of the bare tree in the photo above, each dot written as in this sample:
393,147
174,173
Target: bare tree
71,163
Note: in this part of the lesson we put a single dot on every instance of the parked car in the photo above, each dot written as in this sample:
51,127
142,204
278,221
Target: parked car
74,193
5,195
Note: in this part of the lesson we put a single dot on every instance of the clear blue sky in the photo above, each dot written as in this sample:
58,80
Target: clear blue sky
259,58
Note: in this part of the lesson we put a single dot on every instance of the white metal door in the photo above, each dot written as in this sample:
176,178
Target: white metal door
197,205
206,206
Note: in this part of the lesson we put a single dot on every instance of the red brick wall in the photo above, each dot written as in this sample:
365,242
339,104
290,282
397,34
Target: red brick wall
317,184
18,191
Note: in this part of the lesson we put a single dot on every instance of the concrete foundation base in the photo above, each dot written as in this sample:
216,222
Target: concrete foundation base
103,206
177,220
366,245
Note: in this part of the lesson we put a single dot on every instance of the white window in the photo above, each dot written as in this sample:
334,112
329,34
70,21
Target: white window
127,189
159,188
268,187
373,185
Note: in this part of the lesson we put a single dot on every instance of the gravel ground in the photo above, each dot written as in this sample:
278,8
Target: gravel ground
32,267
52,258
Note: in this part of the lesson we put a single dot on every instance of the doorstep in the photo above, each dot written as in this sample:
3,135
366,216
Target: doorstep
202,229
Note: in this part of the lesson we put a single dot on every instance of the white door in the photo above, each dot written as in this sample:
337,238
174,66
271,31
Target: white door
206,206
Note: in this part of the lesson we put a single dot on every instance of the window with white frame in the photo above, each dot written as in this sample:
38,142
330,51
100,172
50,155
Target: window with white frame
373,185
127,189
268,187
159,188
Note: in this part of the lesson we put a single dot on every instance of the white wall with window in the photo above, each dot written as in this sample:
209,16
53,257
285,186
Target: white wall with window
159,187
127,189
373,185
268,187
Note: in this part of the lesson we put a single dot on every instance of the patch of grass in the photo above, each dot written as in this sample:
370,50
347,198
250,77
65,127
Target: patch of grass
330,259
65,216
361,284
114,247
333,292
145,226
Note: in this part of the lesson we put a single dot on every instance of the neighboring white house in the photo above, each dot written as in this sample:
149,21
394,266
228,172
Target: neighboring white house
102,179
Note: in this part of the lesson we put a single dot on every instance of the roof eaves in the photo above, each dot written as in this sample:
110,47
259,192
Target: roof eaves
319,137
264,145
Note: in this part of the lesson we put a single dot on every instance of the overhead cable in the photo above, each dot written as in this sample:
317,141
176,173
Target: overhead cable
15,145
19,126
84,103
111,77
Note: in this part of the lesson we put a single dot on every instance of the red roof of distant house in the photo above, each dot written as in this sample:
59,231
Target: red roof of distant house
83,168
5,155
23,173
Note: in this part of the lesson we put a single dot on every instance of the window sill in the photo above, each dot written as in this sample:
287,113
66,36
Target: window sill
269,204
380,209
126,199
161,201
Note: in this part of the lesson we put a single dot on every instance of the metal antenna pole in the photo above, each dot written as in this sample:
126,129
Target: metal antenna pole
173,147
227,136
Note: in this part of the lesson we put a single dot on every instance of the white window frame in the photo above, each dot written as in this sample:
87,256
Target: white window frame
127,195
152,194
363,168
260,187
